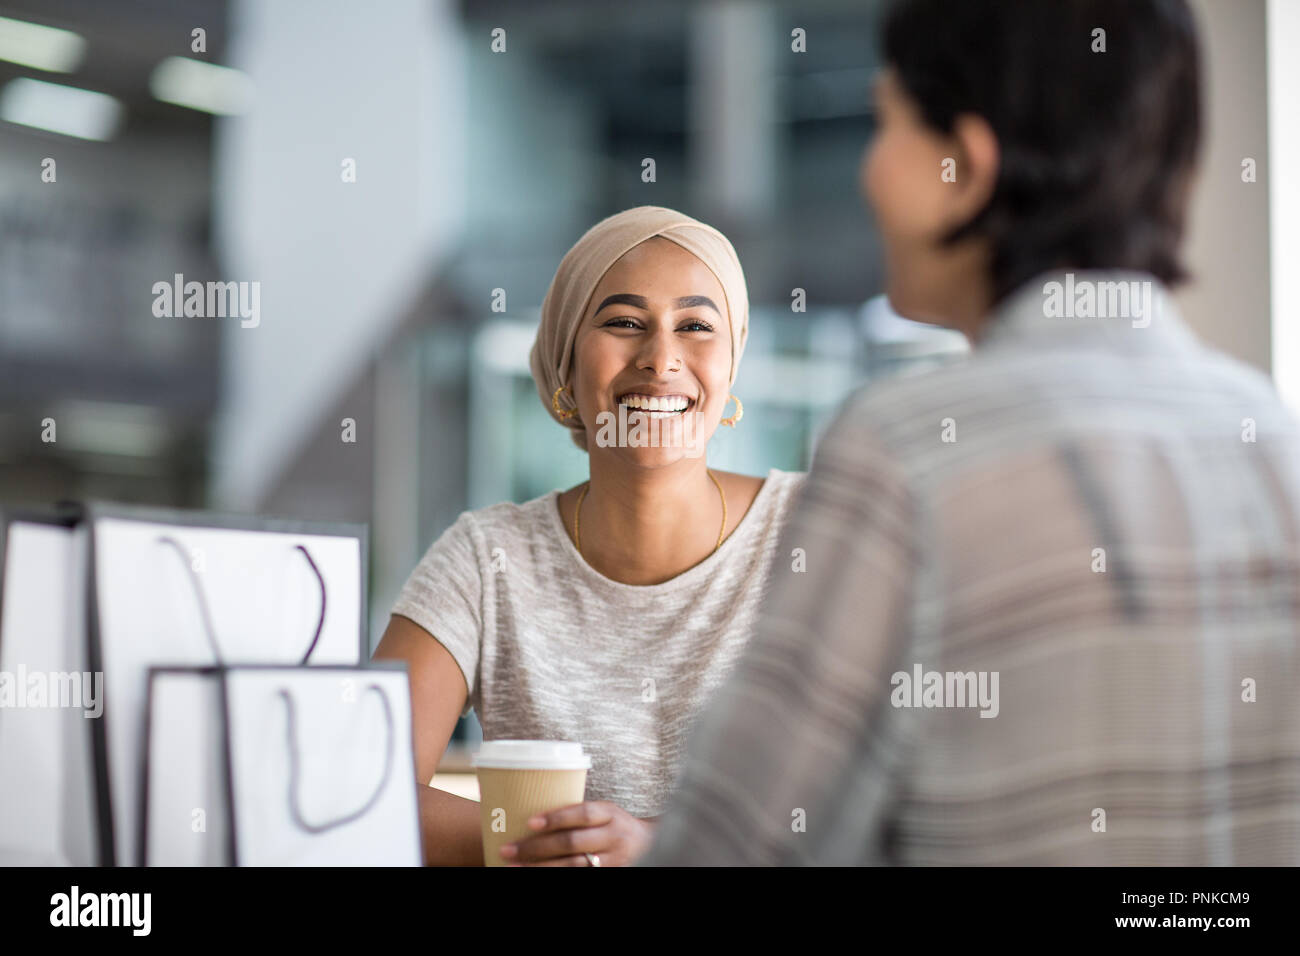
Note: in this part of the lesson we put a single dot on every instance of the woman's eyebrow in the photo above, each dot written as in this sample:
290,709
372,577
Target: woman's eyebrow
695,301
624,298
639,301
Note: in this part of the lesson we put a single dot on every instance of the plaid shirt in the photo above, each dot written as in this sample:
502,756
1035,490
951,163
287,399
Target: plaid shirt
1088,534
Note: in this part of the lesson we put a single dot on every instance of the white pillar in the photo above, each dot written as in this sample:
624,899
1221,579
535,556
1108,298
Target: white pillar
1227,245
338,262
732,111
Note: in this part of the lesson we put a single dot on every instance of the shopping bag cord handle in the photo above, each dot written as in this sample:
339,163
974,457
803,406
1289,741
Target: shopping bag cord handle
294,784
209,631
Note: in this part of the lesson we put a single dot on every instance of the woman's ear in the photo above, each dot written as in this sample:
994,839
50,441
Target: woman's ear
976,175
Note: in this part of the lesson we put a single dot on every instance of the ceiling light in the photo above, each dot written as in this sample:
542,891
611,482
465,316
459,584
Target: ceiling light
60,109
201,86
45,48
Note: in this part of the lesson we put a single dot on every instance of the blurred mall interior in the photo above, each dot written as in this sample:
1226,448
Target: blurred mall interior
381,171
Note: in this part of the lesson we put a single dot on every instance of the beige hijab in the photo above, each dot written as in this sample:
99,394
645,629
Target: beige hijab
585,265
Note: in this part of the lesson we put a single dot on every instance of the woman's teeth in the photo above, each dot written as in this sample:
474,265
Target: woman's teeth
658,406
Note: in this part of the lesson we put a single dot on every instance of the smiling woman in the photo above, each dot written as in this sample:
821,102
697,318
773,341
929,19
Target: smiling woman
608,613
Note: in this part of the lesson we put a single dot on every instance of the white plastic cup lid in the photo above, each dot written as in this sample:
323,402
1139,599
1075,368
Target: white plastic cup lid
531,755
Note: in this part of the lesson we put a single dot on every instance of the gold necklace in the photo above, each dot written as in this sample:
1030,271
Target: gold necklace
577,513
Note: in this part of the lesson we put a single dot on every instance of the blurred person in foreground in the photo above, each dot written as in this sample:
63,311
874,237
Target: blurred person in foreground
1050,608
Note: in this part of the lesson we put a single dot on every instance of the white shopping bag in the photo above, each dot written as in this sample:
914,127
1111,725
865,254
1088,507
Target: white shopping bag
48,696
191,589
321,767
186,804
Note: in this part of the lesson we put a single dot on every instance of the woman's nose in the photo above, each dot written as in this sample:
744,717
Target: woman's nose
659,354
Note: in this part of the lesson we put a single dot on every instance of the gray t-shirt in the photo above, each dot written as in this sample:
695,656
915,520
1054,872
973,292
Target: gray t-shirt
553,650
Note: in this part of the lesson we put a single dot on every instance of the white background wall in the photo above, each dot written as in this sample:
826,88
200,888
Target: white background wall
1284,159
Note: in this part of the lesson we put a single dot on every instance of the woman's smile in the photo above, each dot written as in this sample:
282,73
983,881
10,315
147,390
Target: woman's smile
657,406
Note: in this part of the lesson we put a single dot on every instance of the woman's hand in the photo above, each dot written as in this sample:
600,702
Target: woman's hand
598,827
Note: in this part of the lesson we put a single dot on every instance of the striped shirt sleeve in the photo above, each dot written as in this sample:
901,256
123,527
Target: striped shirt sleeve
794,760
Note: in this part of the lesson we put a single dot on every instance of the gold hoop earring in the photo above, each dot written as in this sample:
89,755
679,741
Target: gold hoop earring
564,413
740,412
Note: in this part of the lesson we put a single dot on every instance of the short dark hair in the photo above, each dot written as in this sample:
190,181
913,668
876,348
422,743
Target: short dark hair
1097,149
